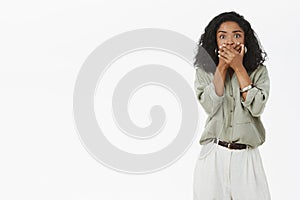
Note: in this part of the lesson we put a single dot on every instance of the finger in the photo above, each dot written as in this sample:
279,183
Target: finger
228,49
221,48
237,44
224,58
224,49
224,53
238,47
242,53
233,50
228,52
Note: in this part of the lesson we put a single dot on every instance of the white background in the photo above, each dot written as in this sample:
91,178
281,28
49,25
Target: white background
43,45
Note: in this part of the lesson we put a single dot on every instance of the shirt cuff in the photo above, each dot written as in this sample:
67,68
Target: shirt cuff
250,96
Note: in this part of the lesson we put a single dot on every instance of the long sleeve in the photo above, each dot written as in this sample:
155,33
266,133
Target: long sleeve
257,96
205,92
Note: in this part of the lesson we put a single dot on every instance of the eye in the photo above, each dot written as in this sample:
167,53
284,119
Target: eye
237,35
222,36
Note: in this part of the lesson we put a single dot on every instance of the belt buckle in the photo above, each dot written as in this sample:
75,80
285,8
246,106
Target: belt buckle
228,145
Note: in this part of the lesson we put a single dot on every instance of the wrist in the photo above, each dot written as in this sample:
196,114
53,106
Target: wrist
238,68
222,67
248,87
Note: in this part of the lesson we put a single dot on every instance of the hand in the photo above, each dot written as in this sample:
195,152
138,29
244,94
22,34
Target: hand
222,62
232,55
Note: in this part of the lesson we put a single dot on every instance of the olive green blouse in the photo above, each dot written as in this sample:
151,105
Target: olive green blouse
230,118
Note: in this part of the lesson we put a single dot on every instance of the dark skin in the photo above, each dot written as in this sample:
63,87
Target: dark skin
230,40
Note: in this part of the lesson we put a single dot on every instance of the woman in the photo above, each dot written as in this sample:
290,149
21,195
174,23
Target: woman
232,86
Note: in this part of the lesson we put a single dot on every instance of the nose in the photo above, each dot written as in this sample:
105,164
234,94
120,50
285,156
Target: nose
229,41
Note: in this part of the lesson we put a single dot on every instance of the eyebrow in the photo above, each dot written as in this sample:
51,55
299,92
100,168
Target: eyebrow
236,31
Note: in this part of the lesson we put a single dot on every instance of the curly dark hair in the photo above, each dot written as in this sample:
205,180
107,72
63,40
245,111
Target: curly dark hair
254,57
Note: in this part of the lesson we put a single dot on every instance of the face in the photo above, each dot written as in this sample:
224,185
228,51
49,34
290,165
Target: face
230,33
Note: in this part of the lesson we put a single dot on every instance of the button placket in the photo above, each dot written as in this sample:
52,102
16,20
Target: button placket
231,107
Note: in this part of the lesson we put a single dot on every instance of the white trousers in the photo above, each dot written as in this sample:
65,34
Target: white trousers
226,174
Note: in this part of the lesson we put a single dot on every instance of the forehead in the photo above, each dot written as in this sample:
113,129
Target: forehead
229,26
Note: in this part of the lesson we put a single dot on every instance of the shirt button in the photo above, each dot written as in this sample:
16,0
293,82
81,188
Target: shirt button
231,111
230,126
